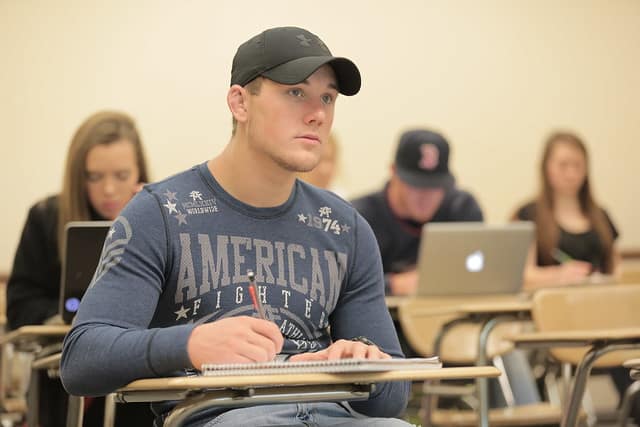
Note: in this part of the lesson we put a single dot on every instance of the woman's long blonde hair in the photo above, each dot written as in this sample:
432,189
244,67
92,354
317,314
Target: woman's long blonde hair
104,127
547,228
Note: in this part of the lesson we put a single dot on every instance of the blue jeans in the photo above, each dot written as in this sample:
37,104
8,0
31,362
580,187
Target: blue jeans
318,414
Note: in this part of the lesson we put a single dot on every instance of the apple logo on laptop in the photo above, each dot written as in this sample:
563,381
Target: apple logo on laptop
475,262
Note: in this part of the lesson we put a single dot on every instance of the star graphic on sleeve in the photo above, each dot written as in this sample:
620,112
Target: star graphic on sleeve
182,313
171,207
170,195
346,228
111,232
302,218
182,218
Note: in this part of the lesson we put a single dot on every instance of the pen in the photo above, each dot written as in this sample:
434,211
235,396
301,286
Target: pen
560,256
253,291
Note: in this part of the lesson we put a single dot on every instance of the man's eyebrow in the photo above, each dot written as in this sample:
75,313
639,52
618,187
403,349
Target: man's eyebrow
331,85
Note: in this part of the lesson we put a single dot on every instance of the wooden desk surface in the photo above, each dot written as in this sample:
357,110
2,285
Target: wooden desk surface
462,305
575,338
201,382
35,333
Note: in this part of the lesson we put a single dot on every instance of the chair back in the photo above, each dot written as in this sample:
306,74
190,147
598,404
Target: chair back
629,276
580,308
422,320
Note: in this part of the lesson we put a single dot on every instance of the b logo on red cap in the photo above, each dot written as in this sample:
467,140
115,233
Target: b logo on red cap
430,156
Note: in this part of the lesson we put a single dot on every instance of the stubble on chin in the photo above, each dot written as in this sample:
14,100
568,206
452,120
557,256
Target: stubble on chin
297,165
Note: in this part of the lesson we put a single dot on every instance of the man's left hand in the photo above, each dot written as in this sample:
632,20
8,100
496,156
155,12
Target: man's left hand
343,349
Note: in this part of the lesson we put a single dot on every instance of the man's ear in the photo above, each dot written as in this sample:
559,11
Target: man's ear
237,102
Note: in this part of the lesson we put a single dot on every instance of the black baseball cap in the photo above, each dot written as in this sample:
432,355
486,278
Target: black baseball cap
288,55
422,160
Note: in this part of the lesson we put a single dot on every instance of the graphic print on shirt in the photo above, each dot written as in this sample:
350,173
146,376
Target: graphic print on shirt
297,285
113,247
191,204
323,221
299,269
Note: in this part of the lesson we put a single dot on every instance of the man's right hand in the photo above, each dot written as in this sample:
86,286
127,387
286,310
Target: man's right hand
405,283
241,339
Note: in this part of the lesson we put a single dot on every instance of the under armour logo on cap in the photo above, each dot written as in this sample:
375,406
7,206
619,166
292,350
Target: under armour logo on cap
430,156
304,41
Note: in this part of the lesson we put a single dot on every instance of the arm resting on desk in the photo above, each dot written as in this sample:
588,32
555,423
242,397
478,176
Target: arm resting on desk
123,355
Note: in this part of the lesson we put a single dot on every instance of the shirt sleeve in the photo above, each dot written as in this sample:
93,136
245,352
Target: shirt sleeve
466,208
110,343
362,311
34,283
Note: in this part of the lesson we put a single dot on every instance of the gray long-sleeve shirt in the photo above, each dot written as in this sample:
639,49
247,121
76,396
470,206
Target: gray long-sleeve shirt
178,256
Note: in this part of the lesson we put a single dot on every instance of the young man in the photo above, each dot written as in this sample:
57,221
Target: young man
171,290
421,189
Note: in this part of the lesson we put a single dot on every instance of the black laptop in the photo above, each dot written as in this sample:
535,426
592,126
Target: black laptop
83,241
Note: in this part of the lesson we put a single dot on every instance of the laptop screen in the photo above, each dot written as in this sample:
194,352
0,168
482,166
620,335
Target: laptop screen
83,241
473,258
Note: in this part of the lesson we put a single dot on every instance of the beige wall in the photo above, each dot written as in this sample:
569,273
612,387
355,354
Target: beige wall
495,76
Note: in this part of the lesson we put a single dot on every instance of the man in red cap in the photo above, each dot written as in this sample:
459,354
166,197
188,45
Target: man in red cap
421,189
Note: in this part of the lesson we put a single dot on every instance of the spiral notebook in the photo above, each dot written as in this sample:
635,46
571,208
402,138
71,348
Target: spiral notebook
320,366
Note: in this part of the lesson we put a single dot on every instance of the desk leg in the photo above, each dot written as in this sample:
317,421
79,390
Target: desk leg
570,416
483,383
75,411
109,410
430,400
33,399
627,402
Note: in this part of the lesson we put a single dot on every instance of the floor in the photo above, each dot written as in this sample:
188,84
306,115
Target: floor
603,396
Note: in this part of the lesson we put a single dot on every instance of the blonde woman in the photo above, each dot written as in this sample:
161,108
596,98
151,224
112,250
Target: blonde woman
105,167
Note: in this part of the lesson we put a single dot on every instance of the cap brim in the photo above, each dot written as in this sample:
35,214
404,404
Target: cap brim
421,180
297,70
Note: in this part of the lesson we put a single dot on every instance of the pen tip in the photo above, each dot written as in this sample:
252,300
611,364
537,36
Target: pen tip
250,275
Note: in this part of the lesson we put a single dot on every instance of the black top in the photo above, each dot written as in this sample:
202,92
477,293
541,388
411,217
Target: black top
33,288
585,246
398,239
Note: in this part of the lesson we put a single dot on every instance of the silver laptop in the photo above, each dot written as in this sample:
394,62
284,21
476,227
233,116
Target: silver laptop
473,258
83,241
